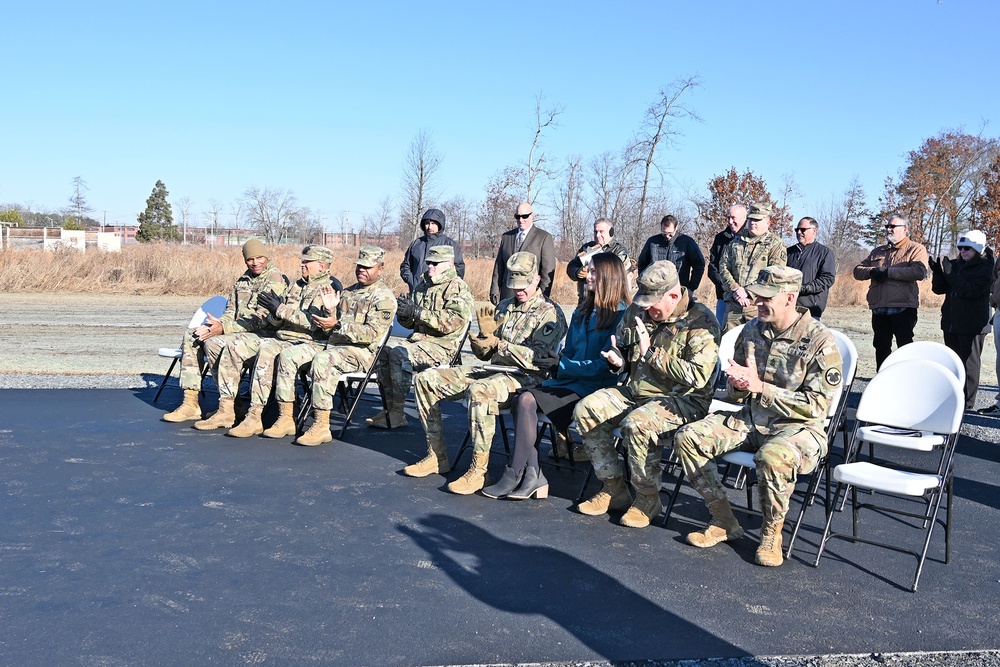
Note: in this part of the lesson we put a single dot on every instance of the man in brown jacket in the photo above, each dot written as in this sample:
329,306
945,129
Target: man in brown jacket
893,296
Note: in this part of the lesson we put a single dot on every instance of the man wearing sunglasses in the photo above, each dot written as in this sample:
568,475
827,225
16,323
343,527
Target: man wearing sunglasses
817,264
525,237
893,296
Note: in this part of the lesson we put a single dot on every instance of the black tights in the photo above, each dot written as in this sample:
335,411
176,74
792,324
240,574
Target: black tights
525,432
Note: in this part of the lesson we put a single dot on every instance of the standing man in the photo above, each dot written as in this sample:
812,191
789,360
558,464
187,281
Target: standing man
894,270
817,264
522,334
438,313
525,237
244,318
358,319
752,249
737,217
291,316
669,345
604,241
415,260
786,369
677,248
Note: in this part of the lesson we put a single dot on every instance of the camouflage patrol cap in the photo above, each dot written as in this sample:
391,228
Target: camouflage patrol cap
774,280
369,256
658,279
440,253
317,253
522,268
759,211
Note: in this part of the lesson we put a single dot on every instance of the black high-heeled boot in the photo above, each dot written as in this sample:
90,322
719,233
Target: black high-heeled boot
533,484
507,483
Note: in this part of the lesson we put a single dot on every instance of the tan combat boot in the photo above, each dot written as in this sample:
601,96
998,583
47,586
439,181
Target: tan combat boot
319,432
643,511
476,477
188,410
250,425
721,528
436,461
769,551
285,425
224,417
613,496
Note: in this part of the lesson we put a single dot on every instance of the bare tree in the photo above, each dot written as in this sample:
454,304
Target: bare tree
184,203
377,223
460,214
78,206
420,166
569,205
537,160
843,223
496,211
211,218
270,211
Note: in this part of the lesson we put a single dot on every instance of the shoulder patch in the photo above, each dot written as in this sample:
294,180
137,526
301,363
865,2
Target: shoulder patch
547,333
832,376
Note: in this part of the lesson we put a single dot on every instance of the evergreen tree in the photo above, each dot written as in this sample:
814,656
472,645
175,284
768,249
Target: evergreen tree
156,223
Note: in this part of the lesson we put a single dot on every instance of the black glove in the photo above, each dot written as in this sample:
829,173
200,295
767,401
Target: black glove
406,309
269,300
946,265
547,363
879,275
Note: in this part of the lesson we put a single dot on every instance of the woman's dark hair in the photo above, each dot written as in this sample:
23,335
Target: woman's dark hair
610,289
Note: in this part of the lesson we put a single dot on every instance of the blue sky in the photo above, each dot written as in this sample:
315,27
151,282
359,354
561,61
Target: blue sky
324,98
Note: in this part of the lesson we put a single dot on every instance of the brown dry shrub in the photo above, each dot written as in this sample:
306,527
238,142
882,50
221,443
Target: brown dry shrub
179,270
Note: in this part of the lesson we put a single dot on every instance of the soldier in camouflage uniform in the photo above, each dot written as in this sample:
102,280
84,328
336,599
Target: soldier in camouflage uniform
669,344
787,369
362,316
291,316
753,248
243,318
524,328
438,313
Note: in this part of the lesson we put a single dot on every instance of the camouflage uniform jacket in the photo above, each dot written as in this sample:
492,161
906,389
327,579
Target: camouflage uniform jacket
801,369
242,312
302,301
529,329
445,303
743,259
364,314
682,355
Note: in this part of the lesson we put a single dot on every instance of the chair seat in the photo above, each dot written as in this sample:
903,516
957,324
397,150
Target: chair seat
740,458
923,441
169,352
872,476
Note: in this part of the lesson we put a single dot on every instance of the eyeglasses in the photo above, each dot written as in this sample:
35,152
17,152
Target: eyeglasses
965,247
522,216
894,226
803,230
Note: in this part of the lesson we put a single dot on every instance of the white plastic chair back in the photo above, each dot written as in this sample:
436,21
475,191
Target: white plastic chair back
727,346
914,394
929,351
214,307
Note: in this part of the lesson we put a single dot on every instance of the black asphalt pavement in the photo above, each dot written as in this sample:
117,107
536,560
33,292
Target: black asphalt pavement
126,540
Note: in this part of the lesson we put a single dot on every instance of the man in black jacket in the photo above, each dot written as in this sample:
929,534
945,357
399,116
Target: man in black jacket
817,264
415,261
737,216
680,249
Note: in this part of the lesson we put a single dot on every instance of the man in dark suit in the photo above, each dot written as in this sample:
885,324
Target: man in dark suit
525,237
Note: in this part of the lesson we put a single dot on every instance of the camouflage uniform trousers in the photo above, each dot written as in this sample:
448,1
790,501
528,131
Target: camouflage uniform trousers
192,354
268,371
487,393
643,423
737,315
780,457
395,366
327,367
237,349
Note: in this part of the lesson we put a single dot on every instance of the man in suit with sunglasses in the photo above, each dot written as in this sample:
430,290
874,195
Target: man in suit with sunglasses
525,237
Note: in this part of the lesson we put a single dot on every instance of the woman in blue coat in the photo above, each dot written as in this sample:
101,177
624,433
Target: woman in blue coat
579,370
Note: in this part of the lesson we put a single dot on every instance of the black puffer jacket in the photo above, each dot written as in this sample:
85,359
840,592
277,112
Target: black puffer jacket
966,307
415,261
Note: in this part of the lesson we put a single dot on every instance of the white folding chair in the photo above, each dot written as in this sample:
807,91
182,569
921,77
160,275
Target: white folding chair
215,307
915,406
929,351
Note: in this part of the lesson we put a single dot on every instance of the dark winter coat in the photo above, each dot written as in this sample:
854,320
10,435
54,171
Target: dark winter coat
966,307
415,261
682,251
722,239
819,270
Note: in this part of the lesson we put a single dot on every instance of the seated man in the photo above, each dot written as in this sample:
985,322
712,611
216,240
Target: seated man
291,316
787,368
244,318
524,330
669,345
438,313
359,318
